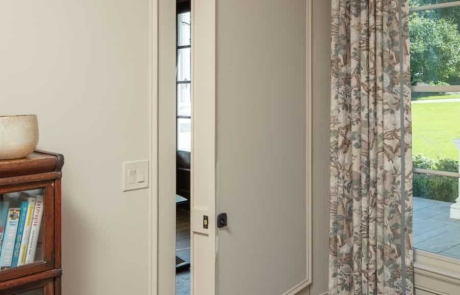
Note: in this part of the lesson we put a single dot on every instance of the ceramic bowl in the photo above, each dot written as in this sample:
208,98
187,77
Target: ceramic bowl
18,136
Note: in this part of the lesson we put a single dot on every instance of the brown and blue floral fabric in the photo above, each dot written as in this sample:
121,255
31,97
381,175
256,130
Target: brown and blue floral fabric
371,164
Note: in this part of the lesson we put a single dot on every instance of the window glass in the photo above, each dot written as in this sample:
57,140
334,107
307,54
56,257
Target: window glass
434,229
183,64
184,107
183,29
184,132
436,146
435,47
21,228
435,124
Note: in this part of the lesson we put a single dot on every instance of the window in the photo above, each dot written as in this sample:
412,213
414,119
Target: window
435,77
184,113
184,99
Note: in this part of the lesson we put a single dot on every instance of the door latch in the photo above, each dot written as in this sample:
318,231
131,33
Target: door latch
205,221
222,220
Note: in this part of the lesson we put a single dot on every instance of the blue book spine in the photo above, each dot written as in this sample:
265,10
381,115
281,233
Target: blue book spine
6,256
3,216
19,234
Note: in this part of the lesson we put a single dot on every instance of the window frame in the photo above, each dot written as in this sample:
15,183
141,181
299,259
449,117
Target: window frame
427,264
434,6
429,88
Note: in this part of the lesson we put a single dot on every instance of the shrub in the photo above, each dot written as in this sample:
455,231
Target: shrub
439,83
448,165
420,181
422,162
435,187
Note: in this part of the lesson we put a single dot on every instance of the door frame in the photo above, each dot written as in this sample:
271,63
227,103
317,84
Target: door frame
162,176
153,148
203,244
162,68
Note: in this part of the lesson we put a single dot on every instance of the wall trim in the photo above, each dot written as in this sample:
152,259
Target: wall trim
437,273
309,156
297,288
429,258
153,148
162,123
436,267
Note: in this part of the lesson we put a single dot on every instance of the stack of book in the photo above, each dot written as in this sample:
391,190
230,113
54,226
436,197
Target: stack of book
20,220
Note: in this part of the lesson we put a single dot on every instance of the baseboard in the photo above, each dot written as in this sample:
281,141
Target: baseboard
298,288
430,291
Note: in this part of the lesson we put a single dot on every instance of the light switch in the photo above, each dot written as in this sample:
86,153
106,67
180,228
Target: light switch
135,175
140,177
132,174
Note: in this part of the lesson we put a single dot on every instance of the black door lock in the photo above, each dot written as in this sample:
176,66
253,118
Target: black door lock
222,220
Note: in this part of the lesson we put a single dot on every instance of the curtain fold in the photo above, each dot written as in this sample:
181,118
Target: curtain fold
370,163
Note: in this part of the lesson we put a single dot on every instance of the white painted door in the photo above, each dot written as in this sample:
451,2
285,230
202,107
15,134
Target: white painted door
250,150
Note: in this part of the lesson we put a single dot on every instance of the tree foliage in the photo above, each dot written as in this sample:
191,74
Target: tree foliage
435,44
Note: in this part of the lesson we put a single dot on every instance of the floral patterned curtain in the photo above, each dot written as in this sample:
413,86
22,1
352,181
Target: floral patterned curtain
371,161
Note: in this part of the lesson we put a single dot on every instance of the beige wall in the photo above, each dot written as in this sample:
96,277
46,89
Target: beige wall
83,67
321,97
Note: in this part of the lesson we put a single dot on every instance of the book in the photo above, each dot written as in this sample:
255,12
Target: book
35,230
19,233
11,228
26,234
3,216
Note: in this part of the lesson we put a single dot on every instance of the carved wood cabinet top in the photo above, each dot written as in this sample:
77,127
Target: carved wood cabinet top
36,163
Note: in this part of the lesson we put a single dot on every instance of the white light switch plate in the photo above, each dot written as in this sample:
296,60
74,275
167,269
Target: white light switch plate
135,175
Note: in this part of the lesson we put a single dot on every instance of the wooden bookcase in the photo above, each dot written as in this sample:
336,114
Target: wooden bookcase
36,177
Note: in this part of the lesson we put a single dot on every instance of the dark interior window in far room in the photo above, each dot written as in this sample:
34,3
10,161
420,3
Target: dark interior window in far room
184,110
183,145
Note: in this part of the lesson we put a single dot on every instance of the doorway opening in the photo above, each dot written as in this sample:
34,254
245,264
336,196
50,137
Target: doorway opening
183,146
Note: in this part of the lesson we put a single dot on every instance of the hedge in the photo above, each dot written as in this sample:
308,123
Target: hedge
435,187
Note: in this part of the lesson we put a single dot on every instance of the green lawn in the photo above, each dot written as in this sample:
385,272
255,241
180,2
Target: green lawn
434,127
438,96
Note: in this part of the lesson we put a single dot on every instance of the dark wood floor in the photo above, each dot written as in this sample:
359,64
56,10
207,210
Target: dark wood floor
183,233
183,249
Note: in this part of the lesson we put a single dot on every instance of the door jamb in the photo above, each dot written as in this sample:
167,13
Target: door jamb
203,174
155,72
153,148
162,67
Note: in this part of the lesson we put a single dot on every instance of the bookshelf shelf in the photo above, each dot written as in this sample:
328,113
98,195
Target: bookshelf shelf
30,225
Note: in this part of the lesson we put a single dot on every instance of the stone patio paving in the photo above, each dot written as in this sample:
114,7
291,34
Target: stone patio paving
434,231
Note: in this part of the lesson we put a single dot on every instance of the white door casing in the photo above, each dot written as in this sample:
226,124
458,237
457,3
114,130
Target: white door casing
203,162
163,145
204,150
